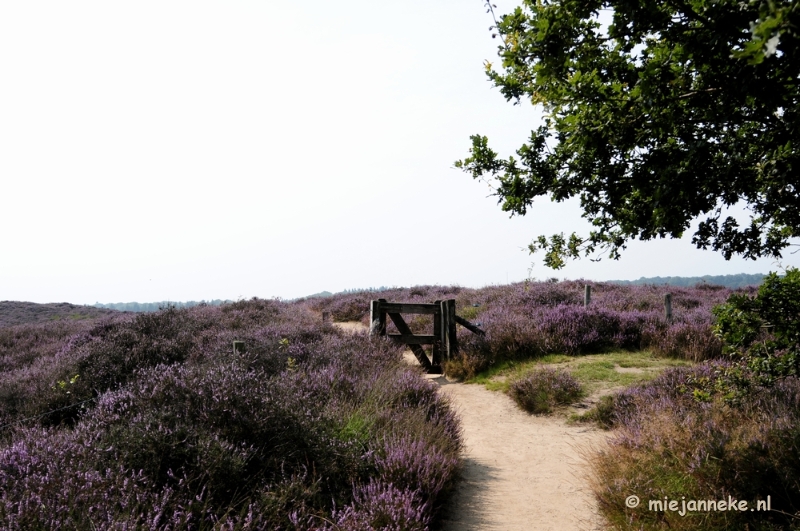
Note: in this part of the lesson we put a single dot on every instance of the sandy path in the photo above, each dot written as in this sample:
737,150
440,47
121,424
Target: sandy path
521,472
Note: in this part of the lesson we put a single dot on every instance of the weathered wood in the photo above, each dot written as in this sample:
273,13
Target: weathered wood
377,318
587,295
412,339
668,307
444,339
402,307
238,347
382,316
452,338
418,351
326,316
469,326
444,327
436,351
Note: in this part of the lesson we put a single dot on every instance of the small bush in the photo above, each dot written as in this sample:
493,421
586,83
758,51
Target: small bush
466,364
543,389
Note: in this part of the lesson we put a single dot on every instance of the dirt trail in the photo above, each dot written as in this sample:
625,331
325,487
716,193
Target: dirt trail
521,472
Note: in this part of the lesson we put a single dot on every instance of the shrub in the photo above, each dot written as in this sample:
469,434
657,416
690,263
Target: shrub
385,507
670,445
542,389
764,331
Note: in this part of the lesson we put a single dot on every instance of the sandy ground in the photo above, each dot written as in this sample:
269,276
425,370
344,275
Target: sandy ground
521,472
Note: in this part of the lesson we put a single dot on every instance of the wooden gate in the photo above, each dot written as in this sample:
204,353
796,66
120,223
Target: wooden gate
444,340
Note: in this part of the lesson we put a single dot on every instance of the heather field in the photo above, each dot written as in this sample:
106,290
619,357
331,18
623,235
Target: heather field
531,319
152,421
14,313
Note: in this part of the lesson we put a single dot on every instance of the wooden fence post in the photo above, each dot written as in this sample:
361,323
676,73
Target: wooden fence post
377,319
438,344
587,296
326,316
238,347
382,316
668,307
444,327
452,341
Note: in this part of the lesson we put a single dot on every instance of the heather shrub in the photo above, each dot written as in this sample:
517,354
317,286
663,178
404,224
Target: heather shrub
48,480
542,389
671,445
105,357
350,309
532,319
23,344
150,339
676,388
383,506
407,463
216,428
692,338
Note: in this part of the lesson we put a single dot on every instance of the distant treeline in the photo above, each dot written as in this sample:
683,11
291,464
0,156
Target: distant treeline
345,292
154,306
729,281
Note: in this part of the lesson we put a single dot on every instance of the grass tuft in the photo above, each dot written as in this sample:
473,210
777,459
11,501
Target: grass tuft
543,389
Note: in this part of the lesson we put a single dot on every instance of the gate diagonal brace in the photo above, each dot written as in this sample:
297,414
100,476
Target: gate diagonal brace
418,351
444,338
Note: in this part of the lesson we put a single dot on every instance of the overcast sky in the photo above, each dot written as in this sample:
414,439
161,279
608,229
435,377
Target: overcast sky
187,150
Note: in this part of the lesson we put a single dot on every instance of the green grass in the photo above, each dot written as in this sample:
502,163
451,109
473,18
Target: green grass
469,312
494,378
595,372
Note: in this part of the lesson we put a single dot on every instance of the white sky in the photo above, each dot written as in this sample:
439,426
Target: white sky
187,150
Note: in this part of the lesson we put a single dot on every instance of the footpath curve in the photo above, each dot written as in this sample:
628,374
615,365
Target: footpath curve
521,472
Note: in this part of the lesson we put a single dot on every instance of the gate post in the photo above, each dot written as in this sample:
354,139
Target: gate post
438,344
377,318
449,327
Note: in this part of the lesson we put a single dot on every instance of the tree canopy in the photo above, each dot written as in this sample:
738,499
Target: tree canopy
674,112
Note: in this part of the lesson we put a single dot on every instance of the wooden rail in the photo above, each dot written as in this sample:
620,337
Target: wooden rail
469,326
444,341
